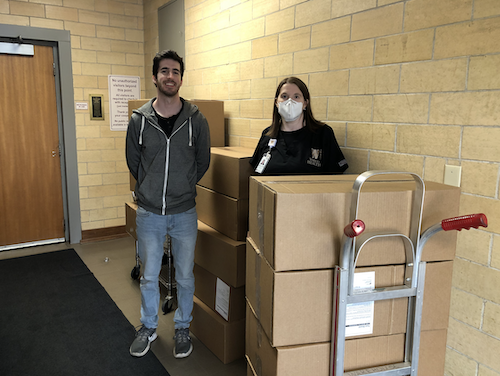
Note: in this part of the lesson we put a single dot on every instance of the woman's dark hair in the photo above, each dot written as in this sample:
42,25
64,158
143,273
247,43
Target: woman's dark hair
309,119
166,54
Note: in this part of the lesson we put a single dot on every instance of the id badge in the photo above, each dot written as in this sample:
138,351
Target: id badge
263,163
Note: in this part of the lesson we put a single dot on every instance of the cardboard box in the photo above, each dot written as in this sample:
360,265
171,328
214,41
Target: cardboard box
296,307
227,301
132,182
213,111
220,255
437,295
229,171
130,215
297,222
226,340
314,359
226,214
432,352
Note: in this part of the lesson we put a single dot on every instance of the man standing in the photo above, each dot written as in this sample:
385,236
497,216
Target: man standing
168,152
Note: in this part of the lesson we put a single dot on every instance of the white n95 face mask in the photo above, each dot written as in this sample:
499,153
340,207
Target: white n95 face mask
290,110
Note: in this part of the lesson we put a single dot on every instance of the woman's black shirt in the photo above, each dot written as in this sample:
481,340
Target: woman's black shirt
301,152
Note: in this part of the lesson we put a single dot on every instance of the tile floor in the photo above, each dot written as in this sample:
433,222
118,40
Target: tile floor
114,276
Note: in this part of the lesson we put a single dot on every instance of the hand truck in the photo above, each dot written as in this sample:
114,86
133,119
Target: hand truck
344,293
169,283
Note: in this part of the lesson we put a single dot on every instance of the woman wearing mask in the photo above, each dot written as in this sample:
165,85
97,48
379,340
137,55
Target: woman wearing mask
297,143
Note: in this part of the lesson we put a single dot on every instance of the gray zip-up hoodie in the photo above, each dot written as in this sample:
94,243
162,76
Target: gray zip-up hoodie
167,168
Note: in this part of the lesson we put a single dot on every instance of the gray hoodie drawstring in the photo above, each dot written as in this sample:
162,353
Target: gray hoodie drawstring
142,130
190,132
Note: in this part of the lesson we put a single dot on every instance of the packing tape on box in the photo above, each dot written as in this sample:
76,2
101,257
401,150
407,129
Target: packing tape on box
258,366
258,261
259,335
260,216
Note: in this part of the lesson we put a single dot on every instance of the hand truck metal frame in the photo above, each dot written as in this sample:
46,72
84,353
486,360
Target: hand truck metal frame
354,240
170,300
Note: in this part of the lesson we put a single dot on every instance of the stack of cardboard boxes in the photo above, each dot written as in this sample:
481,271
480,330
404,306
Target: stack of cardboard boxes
295,231
222,206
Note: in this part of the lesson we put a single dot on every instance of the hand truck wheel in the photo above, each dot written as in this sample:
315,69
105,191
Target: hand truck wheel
136,271
167,305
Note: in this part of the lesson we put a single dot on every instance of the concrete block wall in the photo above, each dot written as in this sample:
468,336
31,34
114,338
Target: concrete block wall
409,85
107,37
406,85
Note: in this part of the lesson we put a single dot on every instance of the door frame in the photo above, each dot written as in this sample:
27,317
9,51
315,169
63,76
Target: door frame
61,42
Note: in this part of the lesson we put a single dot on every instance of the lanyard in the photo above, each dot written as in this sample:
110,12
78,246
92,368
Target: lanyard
266,157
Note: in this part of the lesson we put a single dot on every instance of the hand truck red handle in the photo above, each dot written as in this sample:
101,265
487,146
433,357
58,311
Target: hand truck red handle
354,228
455,223
464,222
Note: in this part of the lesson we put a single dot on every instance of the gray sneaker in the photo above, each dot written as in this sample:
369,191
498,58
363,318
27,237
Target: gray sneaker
183,346
143,338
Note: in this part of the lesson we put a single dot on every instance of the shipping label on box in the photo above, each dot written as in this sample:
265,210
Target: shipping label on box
227,301
222,295
359,316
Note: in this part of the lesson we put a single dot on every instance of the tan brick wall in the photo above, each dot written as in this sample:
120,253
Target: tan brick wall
411,85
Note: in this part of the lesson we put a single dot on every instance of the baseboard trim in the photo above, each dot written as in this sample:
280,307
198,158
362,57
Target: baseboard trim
106,233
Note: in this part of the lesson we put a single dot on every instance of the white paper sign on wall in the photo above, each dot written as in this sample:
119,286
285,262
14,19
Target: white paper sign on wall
121,89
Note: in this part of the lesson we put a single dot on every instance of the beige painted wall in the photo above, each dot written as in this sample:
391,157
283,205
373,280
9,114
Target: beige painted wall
408,85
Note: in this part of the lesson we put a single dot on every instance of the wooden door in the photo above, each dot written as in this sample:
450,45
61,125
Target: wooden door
31,204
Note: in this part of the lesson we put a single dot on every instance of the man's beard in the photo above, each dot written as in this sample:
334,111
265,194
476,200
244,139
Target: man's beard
169,91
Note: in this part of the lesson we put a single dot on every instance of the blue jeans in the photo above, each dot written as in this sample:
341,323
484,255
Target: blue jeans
151,232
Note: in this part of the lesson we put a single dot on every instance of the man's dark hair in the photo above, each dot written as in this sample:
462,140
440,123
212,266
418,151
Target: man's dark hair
166,54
